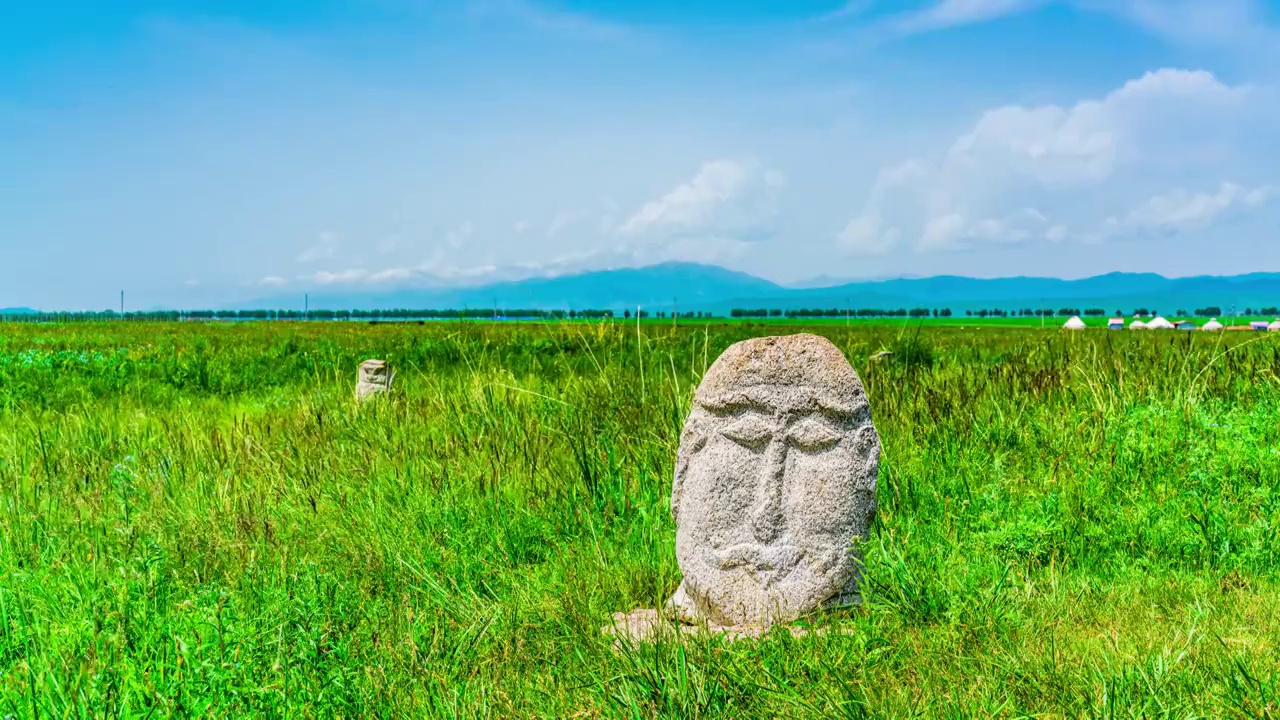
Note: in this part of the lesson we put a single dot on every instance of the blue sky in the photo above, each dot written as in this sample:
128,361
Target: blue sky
197,153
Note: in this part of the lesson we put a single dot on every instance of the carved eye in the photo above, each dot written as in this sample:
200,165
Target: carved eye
813,433
749,430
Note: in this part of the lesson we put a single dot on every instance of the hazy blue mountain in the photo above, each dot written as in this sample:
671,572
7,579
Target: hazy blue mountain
17,311
705,287
693,286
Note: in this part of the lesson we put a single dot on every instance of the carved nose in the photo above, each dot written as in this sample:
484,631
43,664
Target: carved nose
766,512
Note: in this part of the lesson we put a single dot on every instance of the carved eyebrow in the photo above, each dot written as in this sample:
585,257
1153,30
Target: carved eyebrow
733,409
747,400
838,409
831,405
734,403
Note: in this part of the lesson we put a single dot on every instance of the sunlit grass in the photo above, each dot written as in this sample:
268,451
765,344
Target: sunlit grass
199,520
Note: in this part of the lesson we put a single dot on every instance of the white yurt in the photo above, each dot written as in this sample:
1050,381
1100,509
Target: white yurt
1212,325
1074,323
1137,325
1275,326
1160,323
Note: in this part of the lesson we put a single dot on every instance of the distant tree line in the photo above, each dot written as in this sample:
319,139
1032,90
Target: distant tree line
838,312
402,314
1030,312
691,315
1215,311
321,314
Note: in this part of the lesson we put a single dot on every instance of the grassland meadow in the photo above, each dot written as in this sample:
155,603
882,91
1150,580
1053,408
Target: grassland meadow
198,520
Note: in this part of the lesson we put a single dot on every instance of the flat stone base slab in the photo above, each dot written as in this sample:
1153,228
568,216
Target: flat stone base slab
647,625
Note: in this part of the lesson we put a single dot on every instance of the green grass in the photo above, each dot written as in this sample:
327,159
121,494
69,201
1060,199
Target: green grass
198,521
960,320
957,321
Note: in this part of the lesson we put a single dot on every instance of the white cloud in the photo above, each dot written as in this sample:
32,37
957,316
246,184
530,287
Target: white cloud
867,235
191,282
851,9
625,252
722,192
713,216
956,230
325,248
1261,195
952,13
543,18
328,277
521,227
457,273
1029,173
272,281
1183,210
433,269
1238,25
390,275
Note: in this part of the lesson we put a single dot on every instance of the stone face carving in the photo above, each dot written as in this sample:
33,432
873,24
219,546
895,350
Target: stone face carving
775,477
375,378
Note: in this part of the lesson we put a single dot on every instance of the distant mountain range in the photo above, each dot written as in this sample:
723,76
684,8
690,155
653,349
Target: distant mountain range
689,286
17,311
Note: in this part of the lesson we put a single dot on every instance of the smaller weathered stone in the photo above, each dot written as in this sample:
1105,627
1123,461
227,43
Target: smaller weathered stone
375,378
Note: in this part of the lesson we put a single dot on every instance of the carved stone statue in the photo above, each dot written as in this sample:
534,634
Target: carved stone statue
775,478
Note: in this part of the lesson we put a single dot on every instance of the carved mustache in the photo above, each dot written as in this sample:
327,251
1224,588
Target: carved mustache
762,557
775,557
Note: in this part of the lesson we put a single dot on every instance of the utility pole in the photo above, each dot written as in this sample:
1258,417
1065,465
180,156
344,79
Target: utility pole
675,311
306,305
121,302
